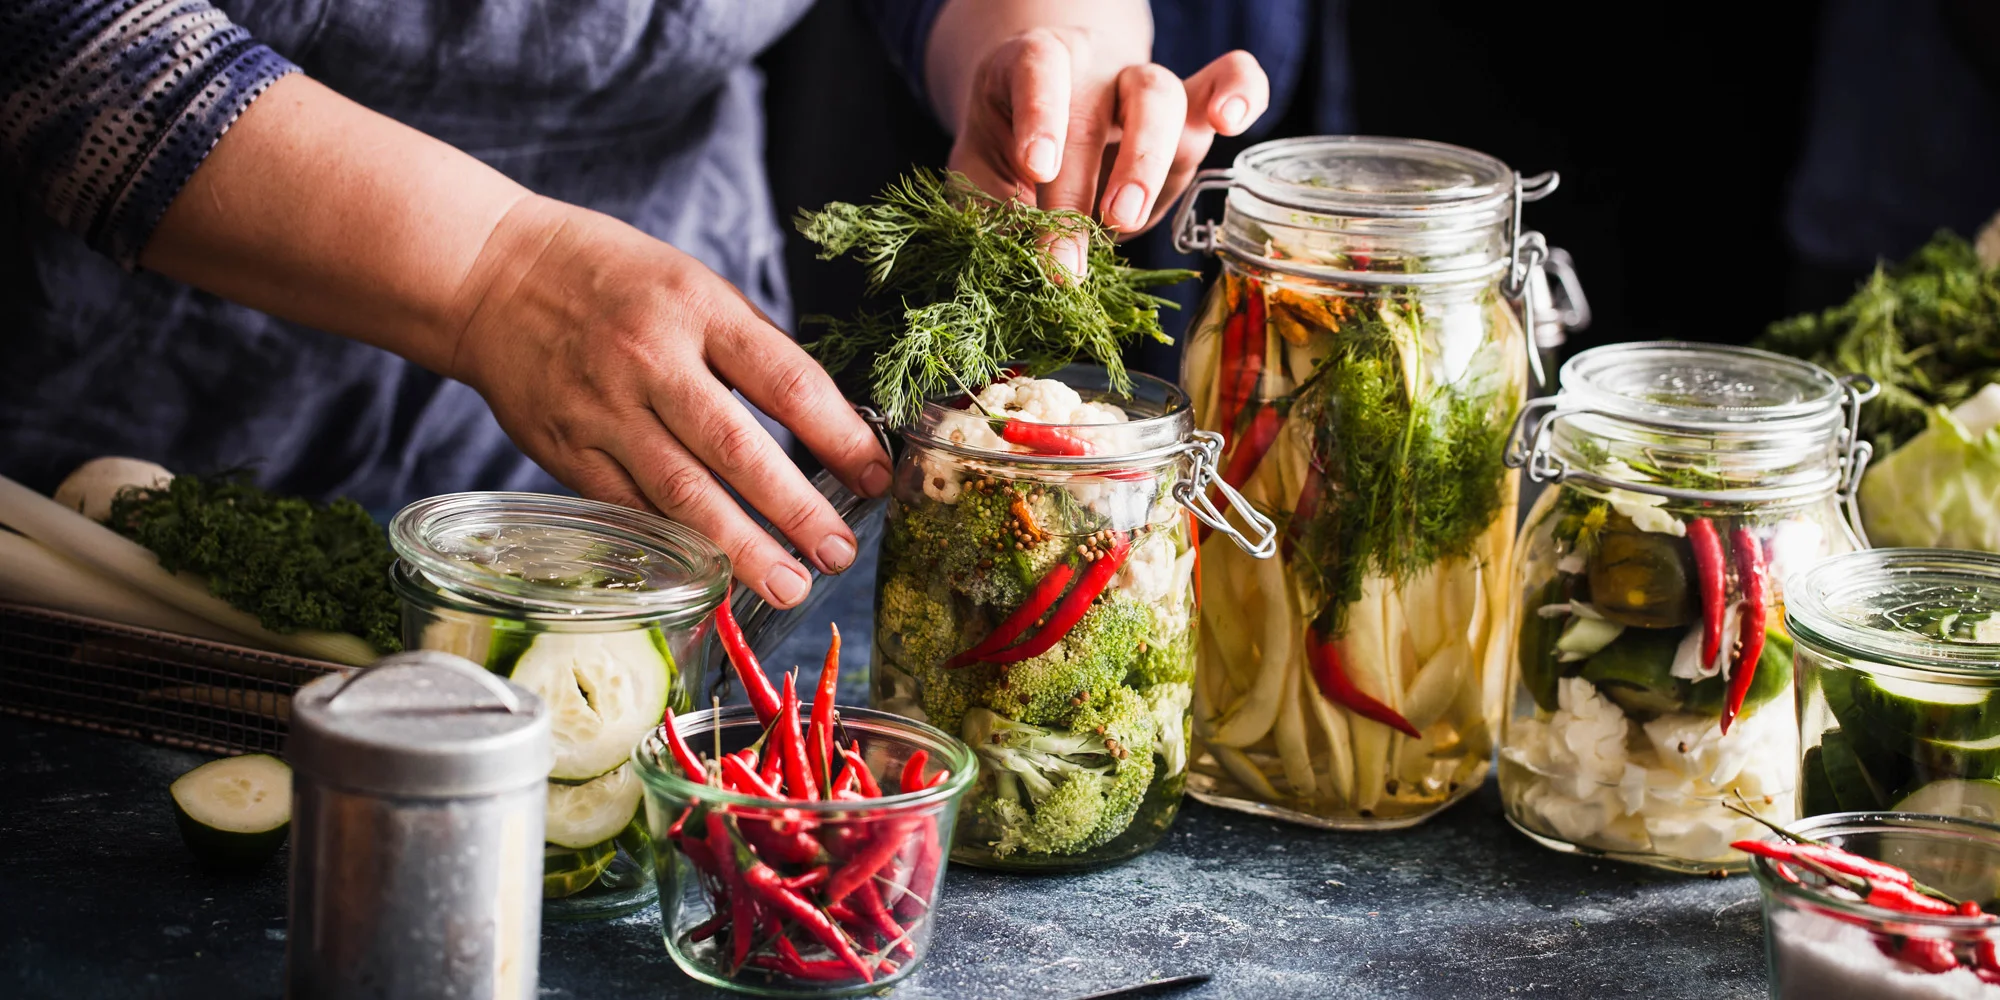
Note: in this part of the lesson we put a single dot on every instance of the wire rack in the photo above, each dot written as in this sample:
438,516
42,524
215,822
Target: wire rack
148,685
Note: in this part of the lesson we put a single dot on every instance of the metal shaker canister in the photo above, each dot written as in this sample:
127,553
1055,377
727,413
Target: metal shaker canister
417,812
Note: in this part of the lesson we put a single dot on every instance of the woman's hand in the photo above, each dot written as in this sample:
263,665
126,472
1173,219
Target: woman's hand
1059,104
608,356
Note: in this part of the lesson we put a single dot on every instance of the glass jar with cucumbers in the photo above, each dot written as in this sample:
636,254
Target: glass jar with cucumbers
598,610
1362,354
1899,683
1651,705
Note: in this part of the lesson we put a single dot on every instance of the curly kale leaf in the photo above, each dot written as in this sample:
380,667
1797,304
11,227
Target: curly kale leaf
296,565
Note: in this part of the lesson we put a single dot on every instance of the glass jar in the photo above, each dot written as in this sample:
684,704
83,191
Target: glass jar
1362,356
695,891
1899,682
1652,678
1043,607
600,611
1823,943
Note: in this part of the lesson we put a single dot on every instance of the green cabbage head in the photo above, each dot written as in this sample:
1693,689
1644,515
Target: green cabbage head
1942,488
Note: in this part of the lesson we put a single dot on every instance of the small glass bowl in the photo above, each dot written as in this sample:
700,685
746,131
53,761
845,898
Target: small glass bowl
1820,946
695,915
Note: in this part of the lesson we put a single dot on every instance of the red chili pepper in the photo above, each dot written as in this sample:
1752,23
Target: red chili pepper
1307,509
1708,568
861,772
1047,439
769,886
1194,536
1255,335
1833,857
1256,443
1231,385
1335,686
878,915
792,746
707,928
820,748
916,895
763,697
1046,592
1750,573
883,843
690,765
847,783
913,771
1891,896
742,911
1074,605
812,877
1934,955
1969,908
1986,957
739,778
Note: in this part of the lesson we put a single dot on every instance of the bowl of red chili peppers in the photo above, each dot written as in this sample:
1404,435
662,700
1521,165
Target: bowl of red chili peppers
800,860
1886,906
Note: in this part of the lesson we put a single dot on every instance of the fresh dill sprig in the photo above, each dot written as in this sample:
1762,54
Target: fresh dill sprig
1927,331
978,292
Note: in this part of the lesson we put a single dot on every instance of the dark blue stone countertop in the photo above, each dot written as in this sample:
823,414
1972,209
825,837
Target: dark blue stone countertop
99,899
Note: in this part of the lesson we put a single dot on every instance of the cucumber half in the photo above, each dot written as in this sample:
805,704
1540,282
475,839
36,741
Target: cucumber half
593,812
1961,758
233,813
605,691
1934,711
568,871
1975,799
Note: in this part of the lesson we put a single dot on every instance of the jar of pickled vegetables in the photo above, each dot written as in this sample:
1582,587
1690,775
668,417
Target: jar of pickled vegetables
1037,596
1362,356
1899,683
597,609
1652,700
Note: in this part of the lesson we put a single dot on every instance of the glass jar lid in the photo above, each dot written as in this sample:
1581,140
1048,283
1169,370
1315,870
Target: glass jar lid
560,555
1700,423
1155,432
1934,610
1363,175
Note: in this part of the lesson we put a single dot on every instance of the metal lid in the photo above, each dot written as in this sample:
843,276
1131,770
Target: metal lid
421,724
560,555
1375,176
1934,610
1705,386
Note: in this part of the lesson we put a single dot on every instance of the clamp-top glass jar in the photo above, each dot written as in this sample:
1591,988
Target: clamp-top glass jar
1036,596
1362,355
1653,699
598,610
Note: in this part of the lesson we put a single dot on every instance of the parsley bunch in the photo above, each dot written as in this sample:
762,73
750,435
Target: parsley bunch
296,565
974,291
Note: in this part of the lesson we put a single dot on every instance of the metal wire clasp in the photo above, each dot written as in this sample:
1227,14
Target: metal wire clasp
1204,451
1191,233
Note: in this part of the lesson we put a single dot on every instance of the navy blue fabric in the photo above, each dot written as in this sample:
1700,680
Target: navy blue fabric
1903,138
648,110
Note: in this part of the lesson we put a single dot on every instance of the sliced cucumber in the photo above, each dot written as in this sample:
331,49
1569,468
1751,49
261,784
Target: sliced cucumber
1536,648
233,813
1816,792
1636,671
568,871
1933,711
1975,799
593,812
1854,788
605,692
1960,758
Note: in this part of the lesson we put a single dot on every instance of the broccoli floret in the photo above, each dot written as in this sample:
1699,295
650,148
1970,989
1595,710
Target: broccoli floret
1093,658
915,623
1168,704
1058,791
946,694
980,544
1165,660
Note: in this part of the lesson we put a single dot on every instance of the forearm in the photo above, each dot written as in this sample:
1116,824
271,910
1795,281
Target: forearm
316,209
1120,31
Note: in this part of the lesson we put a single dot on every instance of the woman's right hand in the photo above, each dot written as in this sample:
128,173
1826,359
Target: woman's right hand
609,356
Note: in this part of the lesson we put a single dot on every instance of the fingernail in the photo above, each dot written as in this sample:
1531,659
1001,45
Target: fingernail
1234,111
875,481
1127,206
1068,253
787,585
1042,158
835,554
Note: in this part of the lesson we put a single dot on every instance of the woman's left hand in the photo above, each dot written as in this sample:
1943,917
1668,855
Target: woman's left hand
1072,113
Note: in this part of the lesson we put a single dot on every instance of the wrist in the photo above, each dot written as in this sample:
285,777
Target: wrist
513,250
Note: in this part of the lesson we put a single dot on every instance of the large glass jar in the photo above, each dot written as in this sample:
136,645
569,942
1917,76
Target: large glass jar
1043,607
597,609
1899,683
1652,684
1363,357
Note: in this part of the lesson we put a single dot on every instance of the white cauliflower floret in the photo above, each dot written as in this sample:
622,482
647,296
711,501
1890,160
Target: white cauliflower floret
1586,737
1694,747
1699,836
1148,573
1646,510
1573,818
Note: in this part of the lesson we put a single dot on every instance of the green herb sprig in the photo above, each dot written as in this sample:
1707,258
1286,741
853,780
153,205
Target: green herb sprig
294,564
978,291
1927,331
